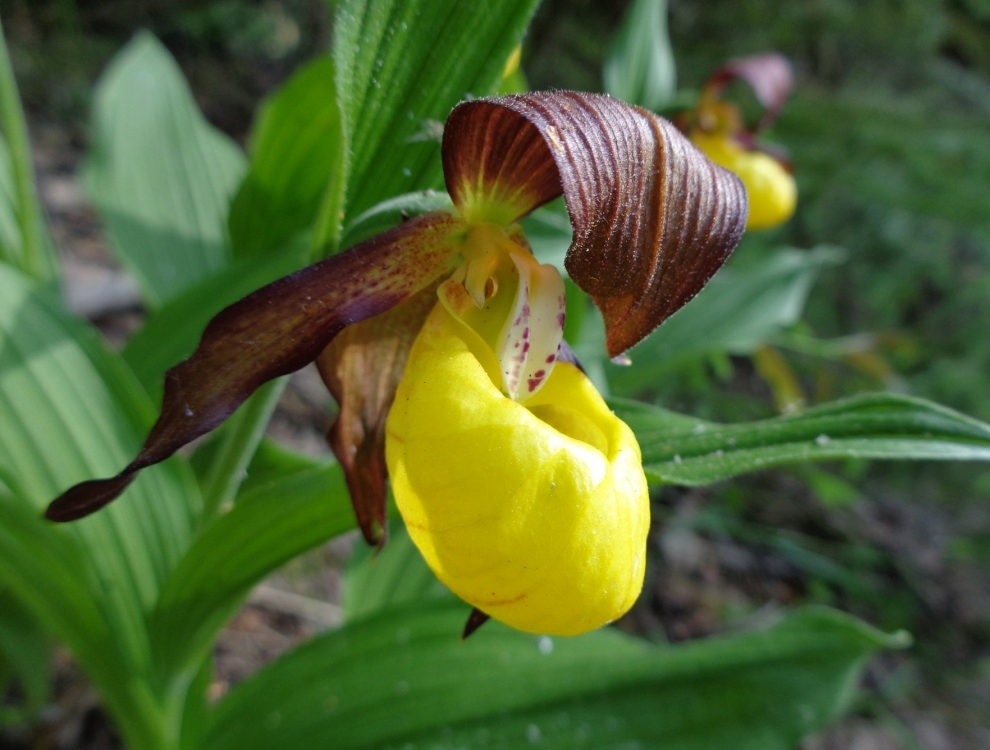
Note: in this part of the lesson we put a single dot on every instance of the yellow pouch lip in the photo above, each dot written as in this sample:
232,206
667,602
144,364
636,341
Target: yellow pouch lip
557,595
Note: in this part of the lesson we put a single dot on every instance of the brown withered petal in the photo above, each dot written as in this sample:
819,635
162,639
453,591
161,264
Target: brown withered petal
770,76
362,368
272,332
653,218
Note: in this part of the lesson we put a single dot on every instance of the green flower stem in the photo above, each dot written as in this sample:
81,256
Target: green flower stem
15,129
238,441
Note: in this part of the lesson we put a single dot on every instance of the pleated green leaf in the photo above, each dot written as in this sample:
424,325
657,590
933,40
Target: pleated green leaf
269,524
159,174
50,575
23,646
682,450
402,65
70,410
405,680
298,168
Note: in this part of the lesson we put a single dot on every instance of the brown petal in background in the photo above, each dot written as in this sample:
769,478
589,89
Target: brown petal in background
272,332
362,368
653,218
769,74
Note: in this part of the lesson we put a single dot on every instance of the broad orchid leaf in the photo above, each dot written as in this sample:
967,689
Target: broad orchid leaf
270,523
24,647
653,218
69,409
640,68
159,174
272,332
51,576
737,312
402,65
760,690
298,168
362,368
683,450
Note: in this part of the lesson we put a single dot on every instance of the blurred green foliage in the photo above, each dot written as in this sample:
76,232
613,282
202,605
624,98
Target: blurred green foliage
889,139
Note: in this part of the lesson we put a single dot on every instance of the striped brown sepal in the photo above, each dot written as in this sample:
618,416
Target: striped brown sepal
272,332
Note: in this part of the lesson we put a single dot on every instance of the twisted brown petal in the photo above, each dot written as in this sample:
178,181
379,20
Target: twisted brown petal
653,218
770,76
272,332
362,368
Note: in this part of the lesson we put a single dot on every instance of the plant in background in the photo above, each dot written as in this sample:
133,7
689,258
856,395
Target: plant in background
716,126
524,493
139,591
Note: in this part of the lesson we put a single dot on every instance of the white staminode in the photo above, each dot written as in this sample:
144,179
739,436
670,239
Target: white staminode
527,346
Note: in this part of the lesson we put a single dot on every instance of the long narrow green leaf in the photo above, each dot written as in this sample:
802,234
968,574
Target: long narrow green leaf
404,679
32,251
640,67
682,450
160,175
298,164
269,525
402,65
70,410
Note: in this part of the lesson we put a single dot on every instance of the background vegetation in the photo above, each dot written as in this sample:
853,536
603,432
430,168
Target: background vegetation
887,132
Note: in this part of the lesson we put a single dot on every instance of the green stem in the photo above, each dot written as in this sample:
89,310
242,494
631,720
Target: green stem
15,128
140,718
240,437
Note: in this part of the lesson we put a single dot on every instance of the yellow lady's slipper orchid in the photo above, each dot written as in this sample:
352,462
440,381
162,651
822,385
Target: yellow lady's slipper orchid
525,494
715,126
770,188
535,509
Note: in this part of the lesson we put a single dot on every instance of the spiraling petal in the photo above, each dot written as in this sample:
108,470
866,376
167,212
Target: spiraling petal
653,218
272,332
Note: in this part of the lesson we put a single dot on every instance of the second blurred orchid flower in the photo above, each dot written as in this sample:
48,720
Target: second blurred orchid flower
716,127
525,494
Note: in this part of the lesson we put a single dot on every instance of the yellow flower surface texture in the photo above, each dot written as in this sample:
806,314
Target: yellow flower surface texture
535,511
771,190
